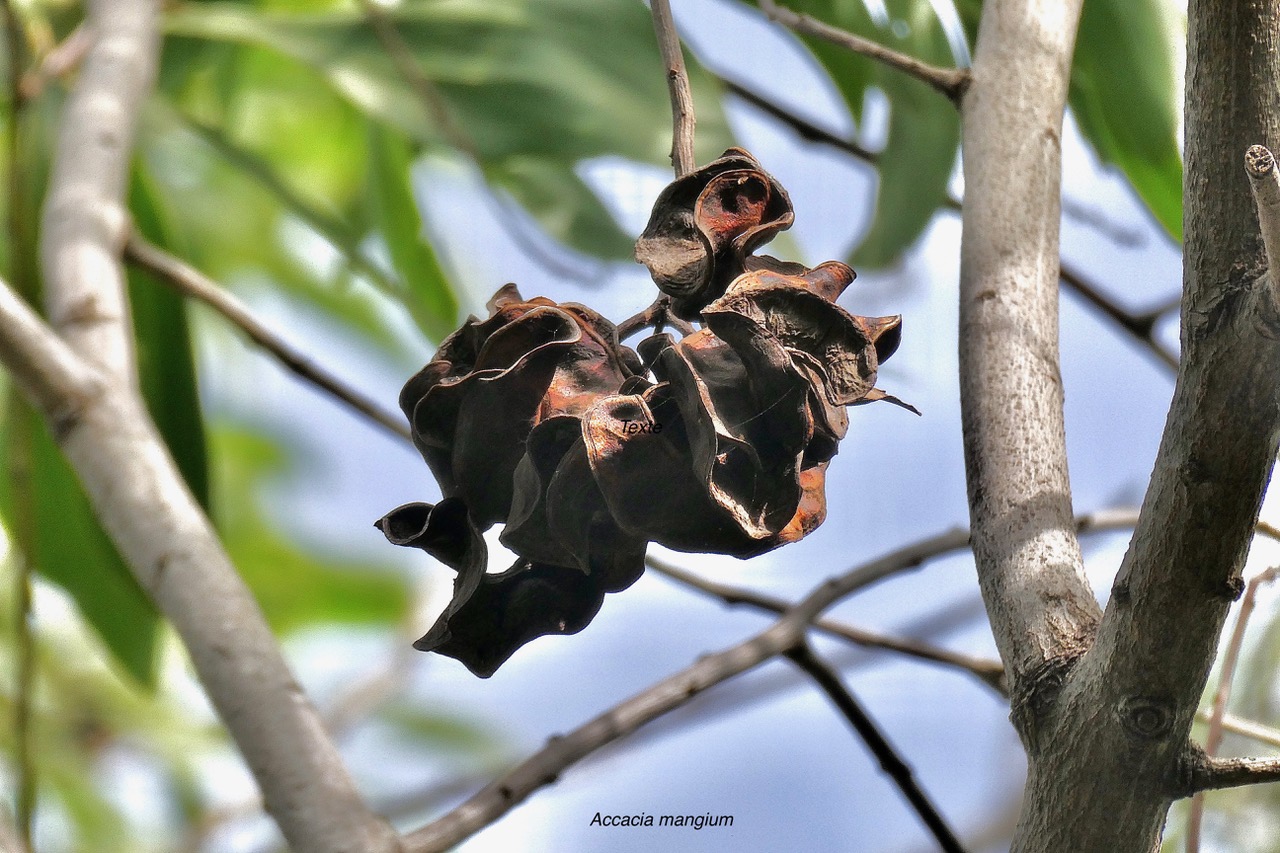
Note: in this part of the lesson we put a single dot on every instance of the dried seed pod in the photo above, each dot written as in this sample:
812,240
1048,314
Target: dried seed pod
704,225
539,417
493,615
472,407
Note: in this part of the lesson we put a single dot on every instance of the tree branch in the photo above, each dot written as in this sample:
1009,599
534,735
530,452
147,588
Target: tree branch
87,392
682,115
949,81
561,752
1212,774
890,762
990,672
191,282
1156,643
1264,180
1030,568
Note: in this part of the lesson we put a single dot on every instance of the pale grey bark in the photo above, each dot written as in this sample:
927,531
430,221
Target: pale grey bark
1029,563
87,391
1108,730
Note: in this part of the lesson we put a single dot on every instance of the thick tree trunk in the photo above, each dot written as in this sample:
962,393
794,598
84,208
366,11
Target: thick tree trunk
1109,748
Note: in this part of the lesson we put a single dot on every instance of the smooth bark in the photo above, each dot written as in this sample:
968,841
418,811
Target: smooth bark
1029,563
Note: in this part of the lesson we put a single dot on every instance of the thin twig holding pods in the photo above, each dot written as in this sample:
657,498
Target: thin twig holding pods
682,115
898,770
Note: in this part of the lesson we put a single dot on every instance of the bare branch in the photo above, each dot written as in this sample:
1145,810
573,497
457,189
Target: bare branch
806,130
1264,179
1141,327
561,752
1171,597
990,672
682,116
85,221
890,762
1213,738
127,473
1212,774
191,282
1042,610
949,81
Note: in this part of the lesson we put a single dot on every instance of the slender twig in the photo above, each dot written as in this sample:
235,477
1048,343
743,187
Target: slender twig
1140,326
890,762
682,116
1264,178
657,315
1213,738
949,81
806,130
990,672
186,279
58,63
1213,774
545,766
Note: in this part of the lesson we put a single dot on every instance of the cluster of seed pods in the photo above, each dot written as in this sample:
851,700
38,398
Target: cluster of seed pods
539,418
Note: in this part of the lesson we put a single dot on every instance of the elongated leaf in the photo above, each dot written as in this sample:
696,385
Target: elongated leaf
924,128
166,365
244,229
1124,95
565,206
428,295
924,133
553,80
72,551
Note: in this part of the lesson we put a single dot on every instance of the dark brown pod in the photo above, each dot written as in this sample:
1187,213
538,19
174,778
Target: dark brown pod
472,407
704,226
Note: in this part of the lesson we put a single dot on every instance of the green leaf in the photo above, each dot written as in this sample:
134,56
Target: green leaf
394,213
924,134
236,232
566,207
1124,95
553,81
294,586
166,364
924,128
71,549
